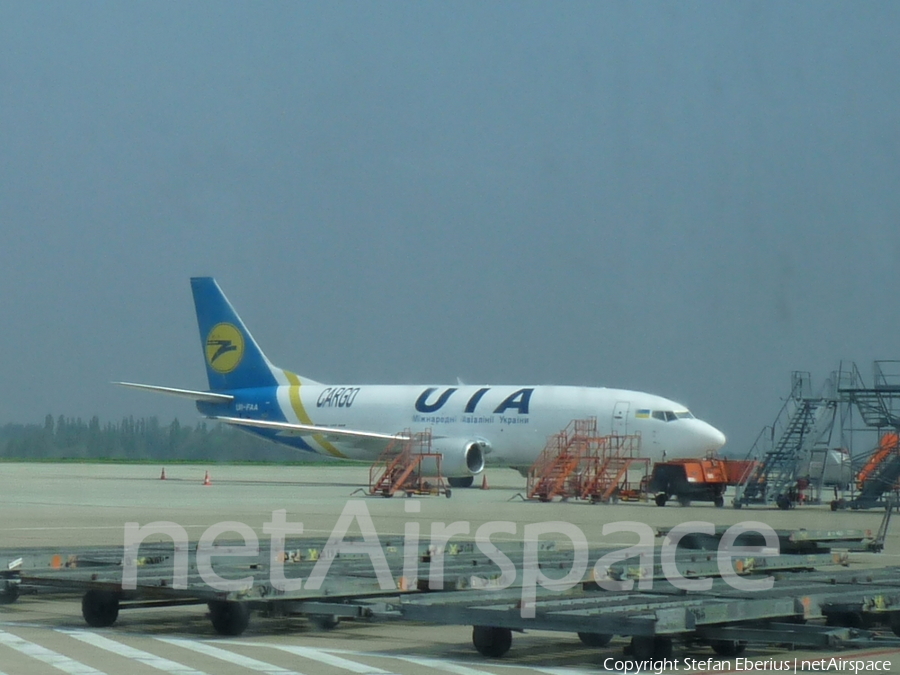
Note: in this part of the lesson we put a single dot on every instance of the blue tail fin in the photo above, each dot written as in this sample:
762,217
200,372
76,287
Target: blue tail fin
233,359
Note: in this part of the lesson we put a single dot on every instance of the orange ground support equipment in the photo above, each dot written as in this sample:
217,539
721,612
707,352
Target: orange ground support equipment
888,446
555,467
607,468
697,479
408,465
576,463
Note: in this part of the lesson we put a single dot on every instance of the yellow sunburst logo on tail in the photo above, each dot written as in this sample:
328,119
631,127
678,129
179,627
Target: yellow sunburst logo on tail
224,348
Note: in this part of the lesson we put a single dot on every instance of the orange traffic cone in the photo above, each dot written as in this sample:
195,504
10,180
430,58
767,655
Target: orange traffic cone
206,480
484,483
162,476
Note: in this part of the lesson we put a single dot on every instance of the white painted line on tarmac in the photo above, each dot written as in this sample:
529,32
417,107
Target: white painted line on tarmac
51,658
231,657
438,664
331,659
138,655
574,671
462,669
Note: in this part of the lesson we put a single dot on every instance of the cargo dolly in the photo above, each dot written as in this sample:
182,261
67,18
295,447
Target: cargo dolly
811,584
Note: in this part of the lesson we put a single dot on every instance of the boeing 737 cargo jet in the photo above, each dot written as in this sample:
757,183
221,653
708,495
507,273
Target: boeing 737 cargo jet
471,425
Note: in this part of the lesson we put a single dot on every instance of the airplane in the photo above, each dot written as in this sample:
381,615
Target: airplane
471,425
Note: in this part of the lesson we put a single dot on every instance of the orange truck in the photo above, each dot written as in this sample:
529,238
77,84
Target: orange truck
702,480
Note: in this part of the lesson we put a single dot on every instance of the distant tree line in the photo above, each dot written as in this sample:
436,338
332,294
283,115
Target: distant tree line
137,439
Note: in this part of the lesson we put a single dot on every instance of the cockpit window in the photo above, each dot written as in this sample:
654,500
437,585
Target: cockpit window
684,415
669,415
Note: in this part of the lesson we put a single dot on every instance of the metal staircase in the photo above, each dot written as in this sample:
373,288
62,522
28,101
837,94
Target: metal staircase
803,423
408,465
576,463
879,406
880,475
604,476
560,460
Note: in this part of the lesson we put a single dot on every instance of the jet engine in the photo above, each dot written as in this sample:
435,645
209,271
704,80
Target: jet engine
459,458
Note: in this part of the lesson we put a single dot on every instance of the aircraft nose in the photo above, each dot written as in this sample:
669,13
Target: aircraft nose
715,438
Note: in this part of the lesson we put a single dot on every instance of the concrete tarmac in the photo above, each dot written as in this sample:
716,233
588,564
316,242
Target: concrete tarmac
88,504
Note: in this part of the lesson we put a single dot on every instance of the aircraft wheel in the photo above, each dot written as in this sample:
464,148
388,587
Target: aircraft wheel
229,618
491,641
661,499
100,608
595,639
727,647
651,647
461,481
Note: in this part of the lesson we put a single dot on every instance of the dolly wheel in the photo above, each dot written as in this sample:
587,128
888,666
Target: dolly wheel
325,621
728,647
9,593
719,501
846,619
595,639
229,618
491,641
100,608
895,623
651,647
661,499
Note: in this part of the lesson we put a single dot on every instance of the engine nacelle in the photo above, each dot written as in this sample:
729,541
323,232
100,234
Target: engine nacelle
458,457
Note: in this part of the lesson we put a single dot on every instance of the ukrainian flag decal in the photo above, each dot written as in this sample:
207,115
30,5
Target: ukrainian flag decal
642,414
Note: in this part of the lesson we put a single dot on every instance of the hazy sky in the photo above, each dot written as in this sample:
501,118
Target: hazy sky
692,199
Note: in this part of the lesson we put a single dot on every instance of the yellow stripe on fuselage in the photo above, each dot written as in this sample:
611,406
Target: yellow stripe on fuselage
300,411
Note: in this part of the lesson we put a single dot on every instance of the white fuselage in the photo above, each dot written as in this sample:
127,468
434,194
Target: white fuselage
514,422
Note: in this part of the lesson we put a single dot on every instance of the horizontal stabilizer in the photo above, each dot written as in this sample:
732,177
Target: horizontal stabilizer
207,396
309,429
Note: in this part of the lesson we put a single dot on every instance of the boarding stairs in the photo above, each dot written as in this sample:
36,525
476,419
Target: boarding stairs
879,405
559,461
805,423
408,465
879,475
887,447
605,472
